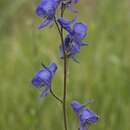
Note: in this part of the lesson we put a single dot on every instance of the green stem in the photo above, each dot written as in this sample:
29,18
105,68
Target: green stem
60,30
57,98
65,73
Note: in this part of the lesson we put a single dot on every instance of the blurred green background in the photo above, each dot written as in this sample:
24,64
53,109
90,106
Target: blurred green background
103,73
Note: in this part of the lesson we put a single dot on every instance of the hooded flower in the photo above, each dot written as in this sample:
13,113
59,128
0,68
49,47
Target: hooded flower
70,5
66,24
47,10
43,78
71,48
73,41
85,115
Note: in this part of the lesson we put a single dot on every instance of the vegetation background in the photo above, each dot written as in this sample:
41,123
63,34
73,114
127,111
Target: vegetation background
103,73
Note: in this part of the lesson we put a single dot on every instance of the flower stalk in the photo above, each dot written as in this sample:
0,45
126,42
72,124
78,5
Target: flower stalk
57,98
69,47
65,73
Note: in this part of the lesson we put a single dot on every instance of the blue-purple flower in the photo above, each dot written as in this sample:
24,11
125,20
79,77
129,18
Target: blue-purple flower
66,24
47,9
71,48
70,5
43,78
85,115
73,41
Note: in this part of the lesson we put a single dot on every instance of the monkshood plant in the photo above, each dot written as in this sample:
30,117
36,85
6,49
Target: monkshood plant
52,12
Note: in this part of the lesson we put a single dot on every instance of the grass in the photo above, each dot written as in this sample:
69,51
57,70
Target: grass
103,73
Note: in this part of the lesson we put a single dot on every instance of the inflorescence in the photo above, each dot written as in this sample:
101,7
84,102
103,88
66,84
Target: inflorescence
69,47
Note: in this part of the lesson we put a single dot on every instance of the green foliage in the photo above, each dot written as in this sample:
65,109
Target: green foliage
103,73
